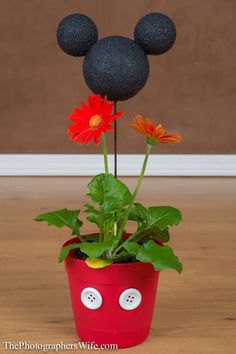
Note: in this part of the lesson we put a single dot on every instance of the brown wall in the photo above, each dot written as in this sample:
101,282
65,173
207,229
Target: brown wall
191,89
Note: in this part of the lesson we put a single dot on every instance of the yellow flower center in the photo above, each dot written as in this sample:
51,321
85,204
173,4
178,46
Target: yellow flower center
95,121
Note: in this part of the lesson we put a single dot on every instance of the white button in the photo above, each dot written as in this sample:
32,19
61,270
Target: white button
91,298
130,299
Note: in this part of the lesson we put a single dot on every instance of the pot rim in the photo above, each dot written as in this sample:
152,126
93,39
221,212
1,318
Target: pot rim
76,240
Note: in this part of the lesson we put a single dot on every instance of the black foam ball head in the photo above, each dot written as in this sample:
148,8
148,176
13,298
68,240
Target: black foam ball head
117,67
155,33
76,34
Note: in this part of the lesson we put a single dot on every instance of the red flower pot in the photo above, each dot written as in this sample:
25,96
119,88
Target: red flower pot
112,305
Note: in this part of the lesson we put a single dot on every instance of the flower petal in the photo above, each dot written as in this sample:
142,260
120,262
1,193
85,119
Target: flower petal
146,128
84,131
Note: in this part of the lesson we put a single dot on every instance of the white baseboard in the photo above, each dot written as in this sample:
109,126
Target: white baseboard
128,165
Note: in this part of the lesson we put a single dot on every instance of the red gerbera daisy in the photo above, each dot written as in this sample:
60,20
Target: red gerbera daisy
92,120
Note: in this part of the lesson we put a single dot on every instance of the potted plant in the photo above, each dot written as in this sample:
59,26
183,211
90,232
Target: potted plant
113,274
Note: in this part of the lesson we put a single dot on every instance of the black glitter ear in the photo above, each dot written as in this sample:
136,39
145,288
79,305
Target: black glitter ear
76,34
155,33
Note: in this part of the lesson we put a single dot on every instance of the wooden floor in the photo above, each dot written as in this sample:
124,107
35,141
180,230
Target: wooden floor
195,311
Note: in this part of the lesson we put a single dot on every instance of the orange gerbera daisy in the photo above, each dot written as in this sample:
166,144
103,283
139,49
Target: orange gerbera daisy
153,134
92,120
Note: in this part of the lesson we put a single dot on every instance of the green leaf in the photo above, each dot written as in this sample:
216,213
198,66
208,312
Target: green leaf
145,220
163,216
97,217
94,214
62,217
123,257
91,237
110,193
66,249
140,215
162,257
157,234
91,249
153,233
95,249
131,247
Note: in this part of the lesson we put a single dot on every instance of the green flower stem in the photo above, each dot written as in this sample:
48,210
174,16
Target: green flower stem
104,148
128,210
149,147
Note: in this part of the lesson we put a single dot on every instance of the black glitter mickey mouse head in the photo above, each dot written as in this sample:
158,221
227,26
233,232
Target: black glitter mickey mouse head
116,66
